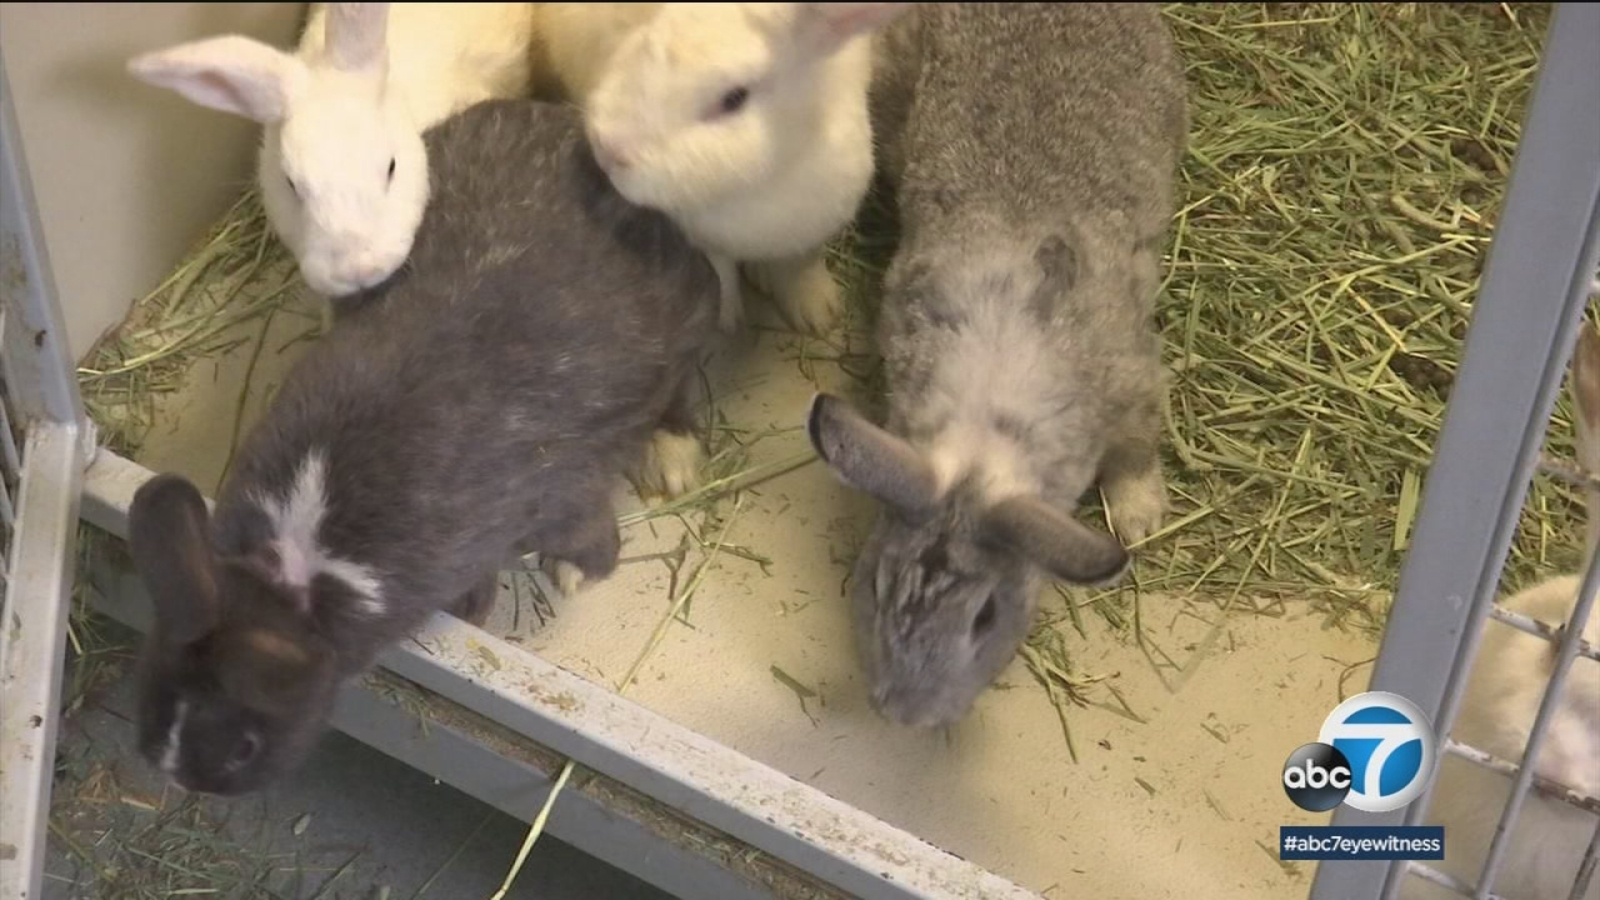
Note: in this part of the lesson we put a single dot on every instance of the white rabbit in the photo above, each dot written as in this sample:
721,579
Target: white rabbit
579,39
747,124
342,168
1503,696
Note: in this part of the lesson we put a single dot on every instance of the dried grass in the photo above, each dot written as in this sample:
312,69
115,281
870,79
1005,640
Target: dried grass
1346,167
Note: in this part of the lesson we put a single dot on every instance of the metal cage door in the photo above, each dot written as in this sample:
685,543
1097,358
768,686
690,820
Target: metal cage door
1540,274
46,442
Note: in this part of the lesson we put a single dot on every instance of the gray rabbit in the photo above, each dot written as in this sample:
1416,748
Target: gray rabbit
1032,149
482,403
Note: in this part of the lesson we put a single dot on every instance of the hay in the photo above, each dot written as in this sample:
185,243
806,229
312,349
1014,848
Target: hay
127,846
239,274
1346,166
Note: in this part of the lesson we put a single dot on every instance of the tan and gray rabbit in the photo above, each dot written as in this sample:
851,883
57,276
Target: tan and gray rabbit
1504,691
1032,149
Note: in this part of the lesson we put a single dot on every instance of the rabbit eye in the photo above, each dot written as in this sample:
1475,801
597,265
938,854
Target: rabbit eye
734,100
391,170
984,620
292,186
246,750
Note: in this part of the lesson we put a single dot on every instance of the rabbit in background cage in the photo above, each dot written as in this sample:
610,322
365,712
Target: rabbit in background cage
1503,695
342,167
541,345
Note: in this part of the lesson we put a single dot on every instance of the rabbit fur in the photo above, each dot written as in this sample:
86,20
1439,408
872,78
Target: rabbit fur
745,122
1504,691
579,39
342,167
480,405
1034,186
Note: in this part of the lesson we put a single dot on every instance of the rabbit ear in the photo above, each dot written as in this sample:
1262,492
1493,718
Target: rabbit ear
169,539
868,458
1068,549
822,28
355,34
233,74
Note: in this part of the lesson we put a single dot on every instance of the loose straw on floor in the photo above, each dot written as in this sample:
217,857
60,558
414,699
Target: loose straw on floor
537,828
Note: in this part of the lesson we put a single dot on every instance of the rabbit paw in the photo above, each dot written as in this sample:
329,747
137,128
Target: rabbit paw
809,298
1135,505
567,577
672,464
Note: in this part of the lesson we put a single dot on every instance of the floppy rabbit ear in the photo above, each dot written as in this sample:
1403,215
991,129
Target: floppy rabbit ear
869,458
1065,547
355,34
233,74
822,28
169,538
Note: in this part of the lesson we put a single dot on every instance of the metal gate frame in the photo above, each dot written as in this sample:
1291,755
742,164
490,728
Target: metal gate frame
1532,298
46,443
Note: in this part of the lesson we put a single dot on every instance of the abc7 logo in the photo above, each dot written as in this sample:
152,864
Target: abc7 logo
1376,753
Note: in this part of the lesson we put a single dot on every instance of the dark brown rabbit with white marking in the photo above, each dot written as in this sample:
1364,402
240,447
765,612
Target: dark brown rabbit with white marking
1033,149
483,403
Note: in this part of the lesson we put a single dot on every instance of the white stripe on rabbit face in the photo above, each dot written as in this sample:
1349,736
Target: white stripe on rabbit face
296,520
169,754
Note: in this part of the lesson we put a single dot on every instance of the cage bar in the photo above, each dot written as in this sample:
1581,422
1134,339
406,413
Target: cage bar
1525,322
41,401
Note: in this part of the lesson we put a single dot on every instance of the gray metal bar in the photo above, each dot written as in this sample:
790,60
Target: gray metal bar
603,732
41,392
1523,329
1539,629
10,459
1509,769
39,370
1566,651
35,614
1586,869
1428,873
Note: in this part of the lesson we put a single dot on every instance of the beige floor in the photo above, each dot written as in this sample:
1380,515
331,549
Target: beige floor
1185,805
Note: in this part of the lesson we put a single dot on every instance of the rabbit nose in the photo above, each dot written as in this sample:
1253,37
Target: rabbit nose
365,270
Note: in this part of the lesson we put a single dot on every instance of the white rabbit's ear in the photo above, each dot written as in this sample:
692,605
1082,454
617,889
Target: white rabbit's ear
355,34
231,73
822,28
